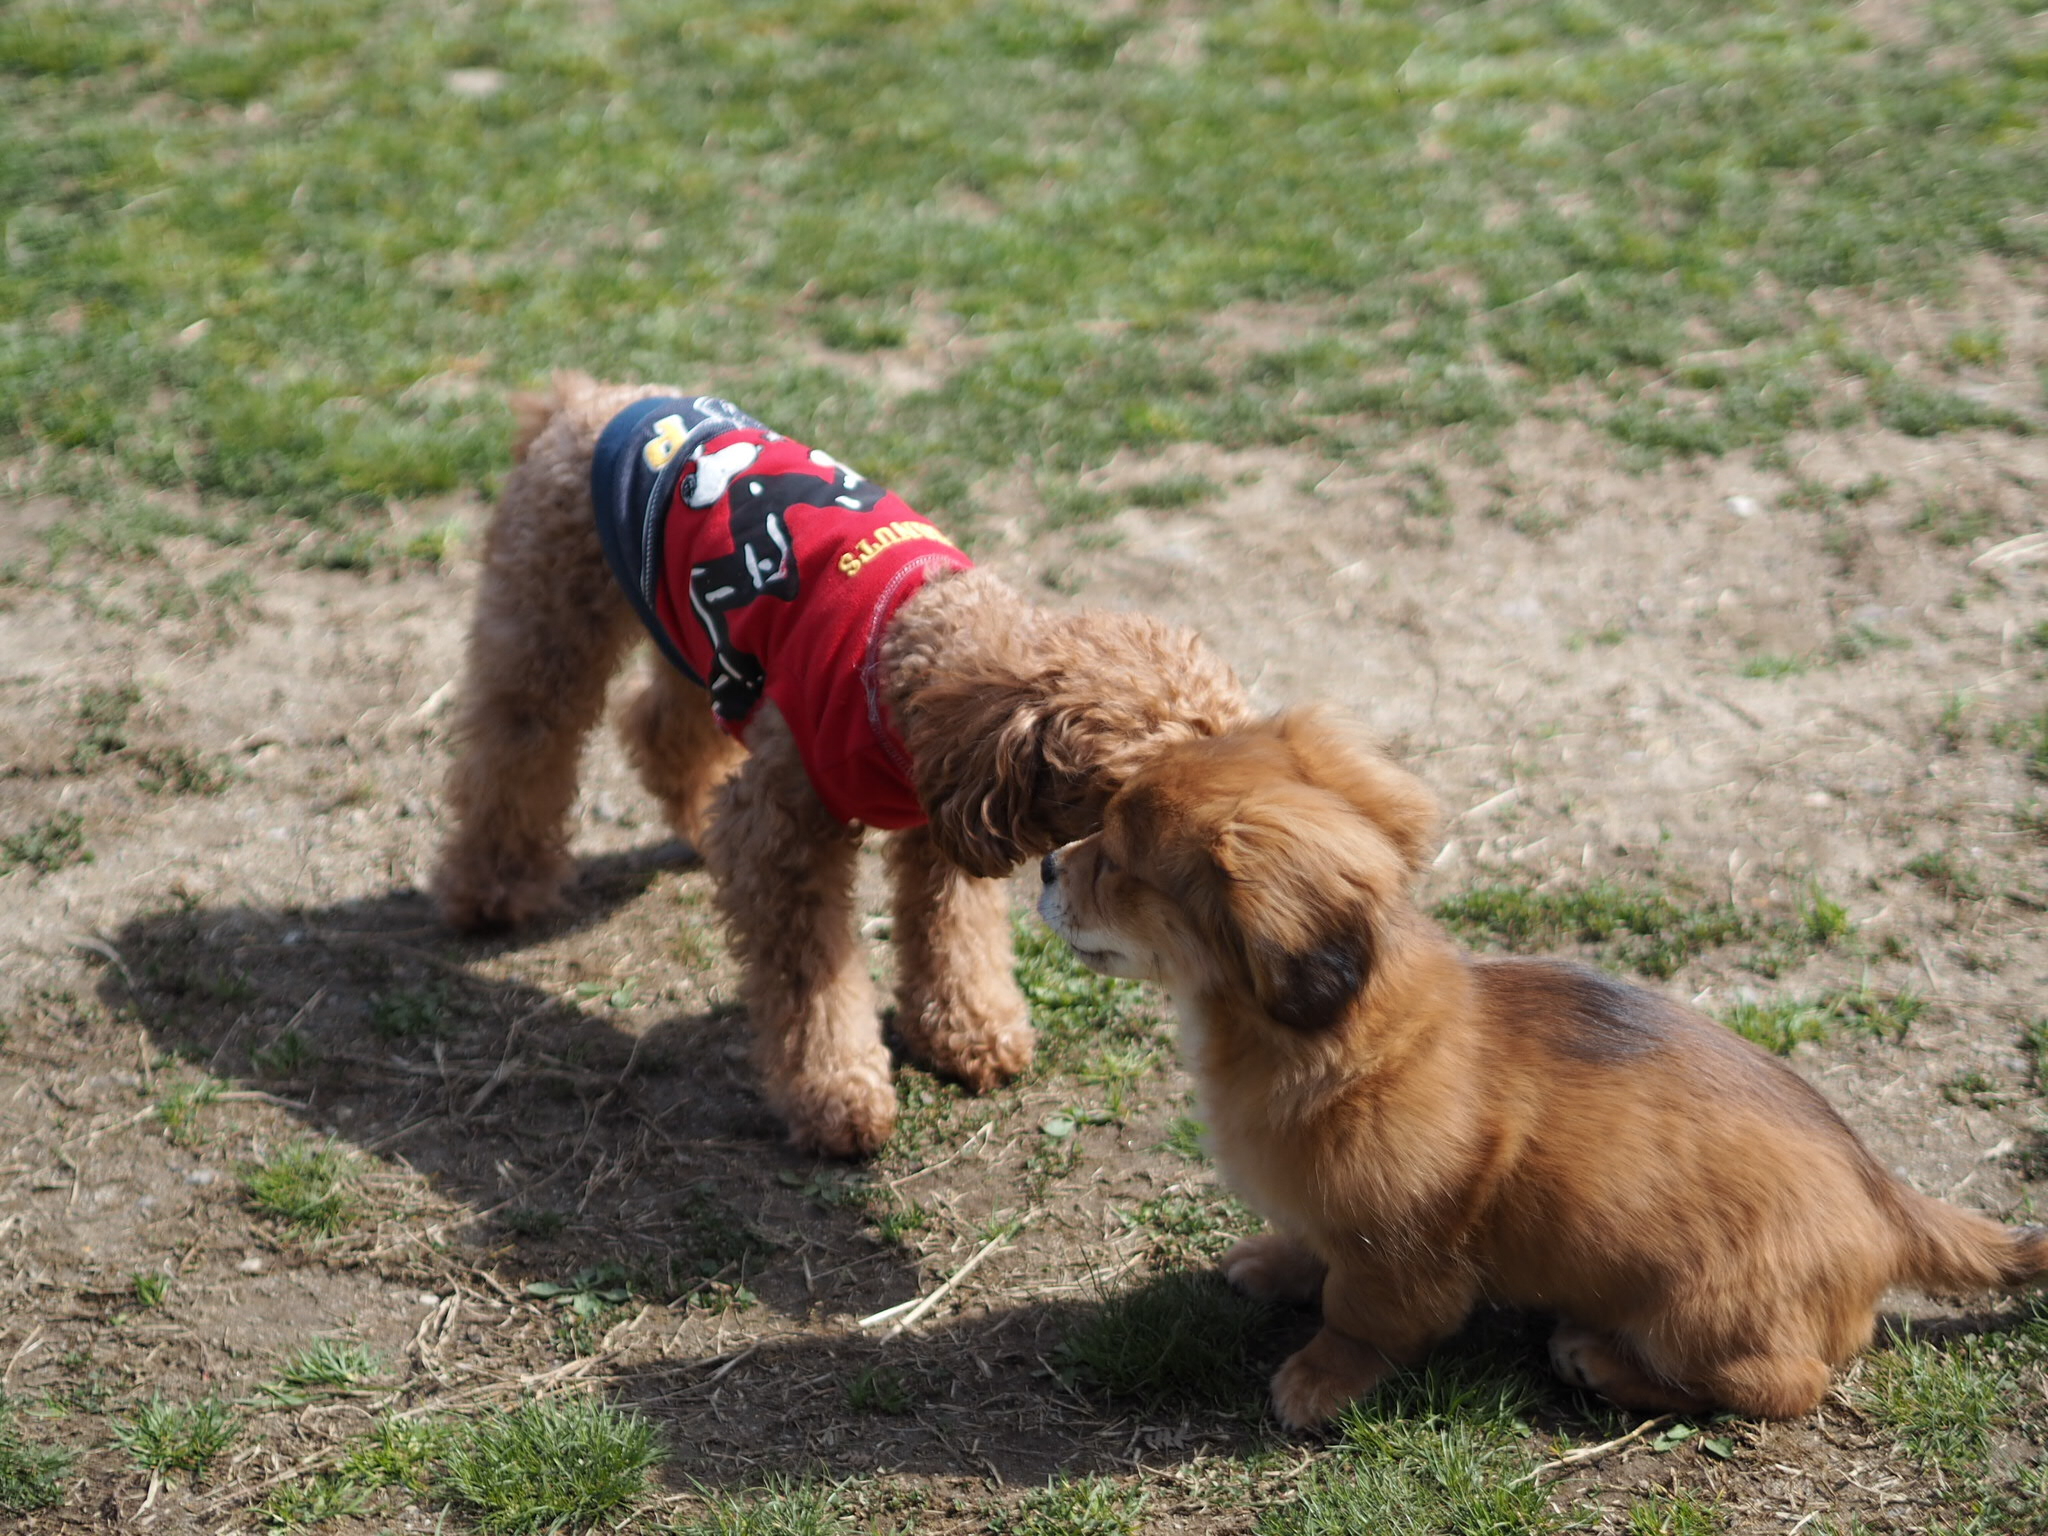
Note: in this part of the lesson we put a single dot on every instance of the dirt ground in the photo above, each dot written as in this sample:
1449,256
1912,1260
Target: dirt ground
1743,683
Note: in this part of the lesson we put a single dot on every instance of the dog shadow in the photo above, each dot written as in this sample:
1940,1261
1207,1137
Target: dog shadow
576,1160
577,1164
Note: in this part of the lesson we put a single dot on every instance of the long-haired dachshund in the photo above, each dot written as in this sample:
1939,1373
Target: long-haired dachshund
1424,1131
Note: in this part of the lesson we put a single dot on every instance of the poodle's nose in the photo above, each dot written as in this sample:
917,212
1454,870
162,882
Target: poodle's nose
1049,868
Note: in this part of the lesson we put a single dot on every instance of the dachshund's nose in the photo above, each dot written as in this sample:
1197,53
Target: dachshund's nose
1049,868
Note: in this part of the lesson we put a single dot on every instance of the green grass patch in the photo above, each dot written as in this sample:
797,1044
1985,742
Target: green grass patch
399,1453
46,846
1779,1025
1943,1399
1084,1020
251,260
309,1188
2034,1041
315,1500
1678,1513
31,1476
784,1508
551,1465
411,1013
1182,1341
1952,875
332,1363
103,712
168,1437
177,1108
1645,930
1188,1227
1446,1447
1771,665
1075,1506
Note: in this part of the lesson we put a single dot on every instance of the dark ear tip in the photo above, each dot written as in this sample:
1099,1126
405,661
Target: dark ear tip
1318,987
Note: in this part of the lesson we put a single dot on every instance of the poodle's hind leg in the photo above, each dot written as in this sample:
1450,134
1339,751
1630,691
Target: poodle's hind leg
676,746
957,1004
550,628
784,871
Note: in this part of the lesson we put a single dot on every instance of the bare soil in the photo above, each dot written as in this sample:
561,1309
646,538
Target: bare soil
1555,642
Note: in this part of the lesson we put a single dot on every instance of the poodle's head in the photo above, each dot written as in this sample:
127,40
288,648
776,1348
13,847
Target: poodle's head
1021,723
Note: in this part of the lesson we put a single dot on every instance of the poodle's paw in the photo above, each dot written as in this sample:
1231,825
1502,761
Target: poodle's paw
483,895
1319,1381
979,1049
1274,1266
845,1116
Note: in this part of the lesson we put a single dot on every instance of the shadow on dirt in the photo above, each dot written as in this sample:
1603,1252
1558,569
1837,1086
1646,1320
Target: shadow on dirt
570,1142
583,1162
584,1167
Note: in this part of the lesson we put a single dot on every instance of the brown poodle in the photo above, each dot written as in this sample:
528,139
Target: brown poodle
1424,1131
982,730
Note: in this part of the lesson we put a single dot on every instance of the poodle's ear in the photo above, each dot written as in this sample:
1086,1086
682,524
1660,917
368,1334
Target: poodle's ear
982,788
1298,891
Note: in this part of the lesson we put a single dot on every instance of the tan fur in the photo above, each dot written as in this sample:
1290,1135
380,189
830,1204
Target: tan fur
1424,1131
1020,724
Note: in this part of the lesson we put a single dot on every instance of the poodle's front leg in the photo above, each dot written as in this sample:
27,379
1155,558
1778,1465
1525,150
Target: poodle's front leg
957,1004
784,870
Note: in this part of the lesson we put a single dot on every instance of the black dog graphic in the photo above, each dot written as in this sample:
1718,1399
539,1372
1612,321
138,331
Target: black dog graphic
762,564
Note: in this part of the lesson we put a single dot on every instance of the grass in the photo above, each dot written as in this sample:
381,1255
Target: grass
878,1389
322,1497
1077,1506
46,846
1941,1399
783,1509
151,1288
1645,929
331,1363
1189,1227
2034,1041
411,1013
399,1453
177,1108
1183,1340
274,285
1679,1513
713,1239
1779,1026
307,1187
550,1465
31,1476
1443,1448
1087,1023
167,1437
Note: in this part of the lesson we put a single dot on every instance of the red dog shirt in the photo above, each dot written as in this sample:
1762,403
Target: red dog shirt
766,569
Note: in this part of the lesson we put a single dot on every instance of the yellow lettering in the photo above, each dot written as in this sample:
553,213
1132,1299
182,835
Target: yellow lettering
886,537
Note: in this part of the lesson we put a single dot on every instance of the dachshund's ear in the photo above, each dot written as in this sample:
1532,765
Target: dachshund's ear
1334,752
1302,909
